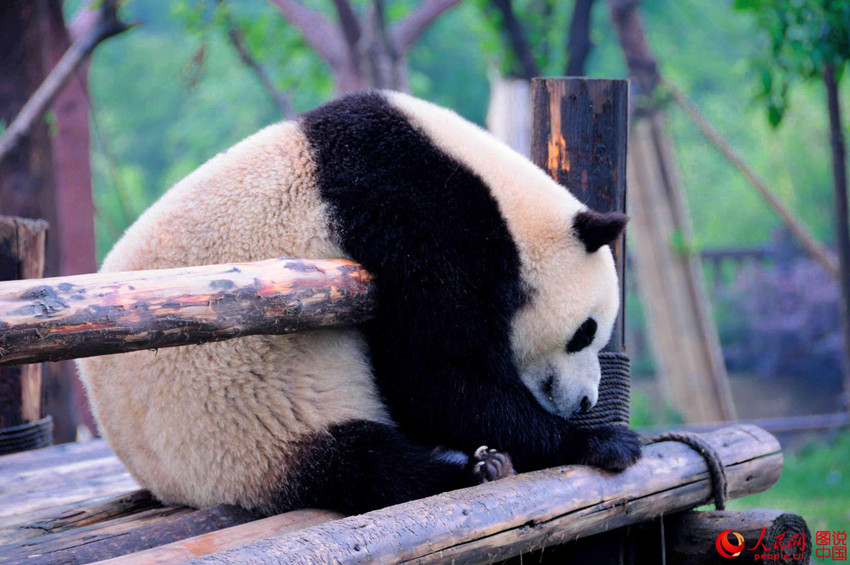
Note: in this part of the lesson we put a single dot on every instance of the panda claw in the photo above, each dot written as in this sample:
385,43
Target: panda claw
491,465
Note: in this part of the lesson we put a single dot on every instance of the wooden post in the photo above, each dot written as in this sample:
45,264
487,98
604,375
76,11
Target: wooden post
22,251
579,135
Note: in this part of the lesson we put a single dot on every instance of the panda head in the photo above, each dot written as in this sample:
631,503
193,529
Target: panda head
572,302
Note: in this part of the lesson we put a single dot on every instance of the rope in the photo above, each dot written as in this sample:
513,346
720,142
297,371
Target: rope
716,470
612,407
32,435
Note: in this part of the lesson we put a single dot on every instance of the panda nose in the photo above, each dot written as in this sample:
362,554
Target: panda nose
586,405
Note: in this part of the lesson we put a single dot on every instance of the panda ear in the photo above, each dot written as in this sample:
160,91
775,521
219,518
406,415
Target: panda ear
595,229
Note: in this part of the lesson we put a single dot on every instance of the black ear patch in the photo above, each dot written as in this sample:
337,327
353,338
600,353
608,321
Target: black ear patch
595,229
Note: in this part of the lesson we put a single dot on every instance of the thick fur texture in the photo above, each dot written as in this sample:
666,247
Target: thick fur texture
486,291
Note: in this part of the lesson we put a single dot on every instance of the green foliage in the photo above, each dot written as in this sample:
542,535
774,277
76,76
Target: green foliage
813,484
798,38
171,93
545,23
647,413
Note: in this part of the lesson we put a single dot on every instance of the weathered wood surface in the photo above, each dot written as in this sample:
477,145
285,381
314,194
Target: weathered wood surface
13,464
485,523
783,536
22,253
54,495
228,538
63,473
124,535
37,531
54,520
99,314
502,519
579,135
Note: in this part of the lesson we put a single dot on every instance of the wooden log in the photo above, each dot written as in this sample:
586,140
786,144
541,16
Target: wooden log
228,538
579,135
124,535
498,520
54,520
769,536
22,252
104,313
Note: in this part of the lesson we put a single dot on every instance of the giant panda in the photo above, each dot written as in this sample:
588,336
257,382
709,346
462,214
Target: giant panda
496,290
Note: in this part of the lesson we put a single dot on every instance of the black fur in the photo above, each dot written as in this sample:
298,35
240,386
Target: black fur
595,229
583,337
449,282
360,466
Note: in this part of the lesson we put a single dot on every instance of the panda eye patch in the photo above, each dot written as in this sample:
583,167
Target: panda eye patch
583,337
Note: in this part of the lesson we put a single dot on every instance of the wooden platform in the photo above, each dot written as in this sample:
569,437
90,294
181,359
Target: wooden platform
77,504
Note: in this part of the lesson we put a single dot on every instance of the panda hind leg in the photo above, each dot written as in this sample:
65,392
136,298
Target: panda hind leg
359,466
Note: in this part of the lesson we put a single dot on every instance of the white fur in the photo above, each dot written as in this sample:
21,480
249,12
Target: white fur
214,423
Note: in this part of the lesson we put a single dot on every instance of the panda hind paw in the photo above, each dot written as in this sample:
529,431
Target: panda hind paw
490,465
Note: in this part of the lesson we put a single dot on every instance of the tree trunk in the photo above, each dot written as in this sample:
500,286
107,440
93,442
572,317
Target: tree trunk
579,44
365,54
27,176
74,228
842,235
509,112
679,316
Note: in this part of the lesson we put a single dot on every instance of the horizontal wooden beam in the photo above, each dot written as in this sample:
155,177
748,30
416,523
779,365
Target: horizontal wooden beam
502,519
771,536
104,313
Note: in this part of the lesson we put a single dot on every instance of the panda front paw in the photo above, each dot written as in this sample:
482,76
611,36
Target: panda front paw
611,448
490,465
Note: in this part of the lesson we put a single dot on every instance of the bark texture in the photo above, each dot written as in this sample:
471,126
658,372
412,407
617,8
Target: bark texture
100,314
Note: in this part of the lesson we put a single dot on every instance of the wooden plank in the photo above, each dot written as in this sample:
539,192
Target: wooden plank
11,465
104,313
228,538
501,519
124,535
55,545
22,245
29,501
55,519
62,474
